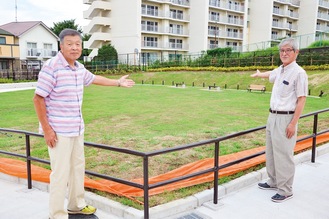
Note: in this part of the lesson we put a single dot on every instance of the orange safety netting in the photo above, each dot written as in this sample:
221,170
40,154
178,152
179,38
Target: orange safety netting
18,168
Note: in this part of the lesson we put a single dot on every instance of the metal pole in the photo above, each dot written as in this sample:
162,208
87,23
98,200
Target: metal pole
28,161
315,128
216,165
146,187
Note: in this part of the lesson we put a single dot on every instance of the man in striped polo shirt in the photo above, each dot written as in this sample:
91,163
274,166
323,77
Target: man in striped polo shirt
58,102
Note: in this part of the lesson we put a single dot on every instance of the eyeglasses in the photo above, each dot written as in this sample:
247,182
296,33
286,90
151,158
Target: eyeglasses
287,51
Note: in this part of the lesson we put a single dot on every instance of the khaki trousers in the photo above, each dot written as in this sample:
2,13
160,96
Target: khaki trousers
67,174
280,164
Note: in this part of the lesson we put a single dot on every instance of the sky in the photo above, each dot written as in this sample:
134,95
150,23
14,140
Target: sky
47,11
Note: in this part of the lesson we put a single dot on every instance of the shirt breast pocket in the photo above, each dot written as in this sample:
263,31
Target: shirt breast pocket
287,89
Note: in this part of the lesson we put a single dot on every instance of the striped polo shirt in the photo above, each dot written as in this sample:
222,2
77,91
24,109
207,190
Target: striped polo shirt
62,87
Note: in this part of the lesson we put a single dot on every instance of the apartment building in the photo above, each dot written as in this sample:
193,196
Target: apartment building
163,29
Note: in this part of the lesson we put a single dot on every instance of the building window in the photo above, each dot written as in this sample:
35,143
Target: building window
232,33
276,9
214,16
32,49
150,26
149,57
48,49
175,28
2,40
4,65
150,10
150,42
176,14
275,22
175,43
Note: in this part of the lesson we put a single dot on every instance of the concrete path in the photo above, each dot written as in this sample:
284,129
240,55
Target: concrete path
239,198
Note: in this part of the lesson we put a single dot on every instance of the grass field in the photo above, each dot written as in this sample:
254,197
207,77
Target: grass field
151,117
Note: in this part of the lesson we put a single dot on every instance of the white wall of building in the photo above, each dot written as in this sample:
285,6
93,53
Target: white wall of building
307,20
260,23
40,36
198,39
126,25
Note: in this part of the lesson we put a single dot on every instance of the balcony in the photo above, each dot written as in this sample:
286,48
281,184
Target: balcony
33,52
179,2
227,6
40,53
96,8
291,2
324,4
96,23
150,28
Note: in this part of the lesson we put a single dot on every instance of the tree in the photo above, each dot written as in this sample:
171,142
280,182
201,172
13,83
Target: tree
58,27
107,53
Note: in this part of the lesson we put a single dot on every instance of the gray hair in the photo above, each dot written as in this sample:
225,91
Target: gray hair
290,42
69,32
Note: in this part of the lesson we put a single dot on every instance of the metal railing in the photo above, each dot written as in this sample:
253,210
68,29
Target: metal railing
146,155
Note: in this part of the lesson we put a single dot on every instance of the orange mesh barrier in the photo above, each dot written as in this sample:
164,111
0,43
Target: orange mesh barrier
18,168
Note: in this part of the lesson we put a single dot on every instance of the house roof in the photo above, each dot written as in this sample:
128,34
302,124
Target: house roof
20,28
3,32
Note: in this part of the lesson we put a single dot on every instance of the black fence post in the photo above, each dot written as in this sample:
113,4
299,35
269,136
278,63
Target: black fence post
146,187
28,161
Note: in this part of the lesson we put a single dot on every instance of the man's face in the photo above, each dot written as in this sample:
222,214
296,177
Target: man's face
71,48
288,54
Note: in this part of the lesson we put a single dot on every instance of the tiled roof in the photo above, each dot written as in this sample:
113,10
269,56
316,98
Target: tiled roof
19,28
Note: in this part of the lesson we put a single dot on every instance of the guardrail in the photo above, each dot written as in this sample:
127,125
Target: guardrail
146,155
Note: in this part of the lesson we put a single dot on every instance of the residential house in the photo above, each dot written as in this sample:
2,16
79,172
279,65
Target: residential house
36,43
9,50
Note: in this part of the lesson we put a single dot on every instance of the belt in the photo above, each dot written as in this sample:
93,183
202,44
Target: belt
281,112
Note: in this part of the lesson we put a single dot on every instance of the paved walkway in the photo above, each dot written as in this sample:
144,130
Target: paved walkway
7,87
239,198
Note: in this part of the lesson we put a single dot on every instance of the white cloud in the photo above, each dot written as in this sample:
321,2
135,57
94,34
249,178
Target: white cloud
47,11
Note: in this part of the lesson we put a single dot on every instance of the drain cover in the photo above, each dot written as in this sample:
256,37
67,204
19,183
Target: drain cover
191,216
81,216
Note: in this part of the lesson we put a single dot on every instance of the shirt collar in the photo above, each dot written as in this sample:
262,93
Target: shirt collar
65,63
286,68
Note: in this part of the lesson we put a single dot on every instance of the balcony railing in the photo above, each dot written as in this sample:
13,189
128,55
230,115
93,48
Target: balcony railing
40,53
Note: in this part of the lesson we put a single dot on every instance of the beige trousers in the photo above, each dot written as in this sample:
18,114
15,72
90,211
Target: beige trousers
280,164
67,176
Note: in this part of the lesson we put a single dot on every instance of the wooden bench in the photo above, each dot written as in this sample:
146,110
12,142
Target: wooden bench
257,87
213,86
180,85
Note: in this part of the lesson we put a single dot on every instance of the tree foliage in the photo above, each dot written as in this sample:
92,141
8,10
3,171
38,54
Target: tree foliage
59,26
220,52
107,53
